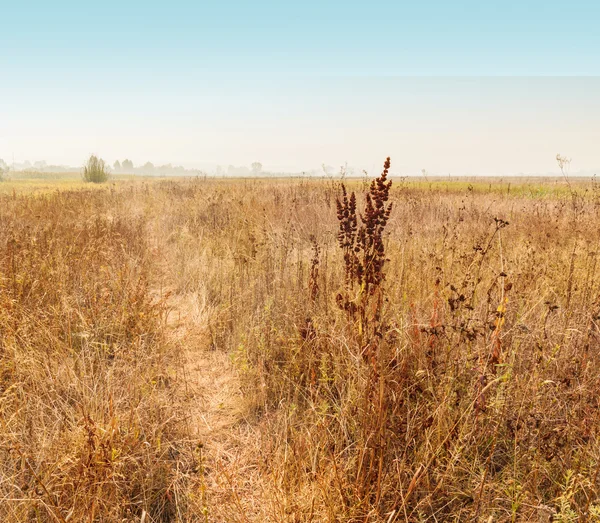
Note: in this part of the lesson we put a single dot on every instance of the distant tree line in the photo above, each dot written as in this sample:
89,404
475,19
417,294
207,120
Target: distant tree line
255,169
127,167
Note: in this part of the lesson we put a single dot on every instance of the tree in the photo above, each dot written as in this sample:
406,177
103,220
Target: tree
148,167
95,170
256,168
237,171
127,165
165,169
117,165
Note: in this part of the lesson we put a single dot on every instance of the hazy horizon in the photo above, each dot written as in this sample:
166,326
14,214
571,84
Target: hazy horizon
207,85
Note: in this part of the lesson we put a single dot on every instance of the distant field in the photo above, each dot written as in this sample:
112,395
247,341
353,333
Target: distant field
452,374
533,187
33,182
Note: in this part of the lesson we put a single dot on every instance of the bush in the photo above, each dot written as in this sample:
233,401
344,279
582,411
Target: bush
95,171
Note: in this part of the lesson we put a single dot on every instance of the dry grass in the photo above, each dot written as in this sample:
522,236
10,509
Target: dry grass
475,398
91,423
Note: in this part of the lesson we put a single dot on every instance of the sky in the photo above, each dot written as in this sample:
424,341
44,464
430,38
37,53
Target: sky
462,87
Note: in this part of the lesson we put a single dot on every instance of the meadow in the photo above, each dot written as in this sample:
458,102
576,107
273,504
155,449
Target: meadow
249,350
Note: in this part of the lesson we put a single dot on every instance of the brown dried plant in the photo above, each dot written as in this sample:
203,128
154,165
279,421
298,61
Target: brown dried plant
364,260
313,280
364,250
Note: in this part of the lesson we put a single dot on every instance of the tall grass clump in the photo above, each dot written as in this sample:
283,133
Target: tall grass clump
91,420
95,170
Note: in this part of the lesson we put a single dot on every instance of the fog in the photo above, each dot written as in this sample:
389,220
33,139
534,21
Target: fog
458,126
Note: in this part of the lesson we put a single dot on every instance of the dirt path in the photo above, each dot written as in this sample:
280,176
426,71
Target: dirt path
216,417
210,379
228,487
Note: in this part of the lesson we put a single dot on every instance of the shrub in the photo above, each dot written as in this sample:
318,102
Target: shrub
95,170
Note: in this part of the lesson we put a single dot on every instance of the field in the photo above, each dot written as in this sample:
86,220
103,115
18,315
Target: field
220,350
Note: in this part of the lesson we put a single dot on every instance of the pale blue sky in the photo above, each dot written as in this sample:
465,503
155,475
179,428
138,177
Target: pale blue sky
460,87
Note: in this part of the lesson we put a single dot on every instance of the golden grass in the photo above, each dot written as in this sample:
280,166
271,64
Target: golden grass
39,183
484,406
91,424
